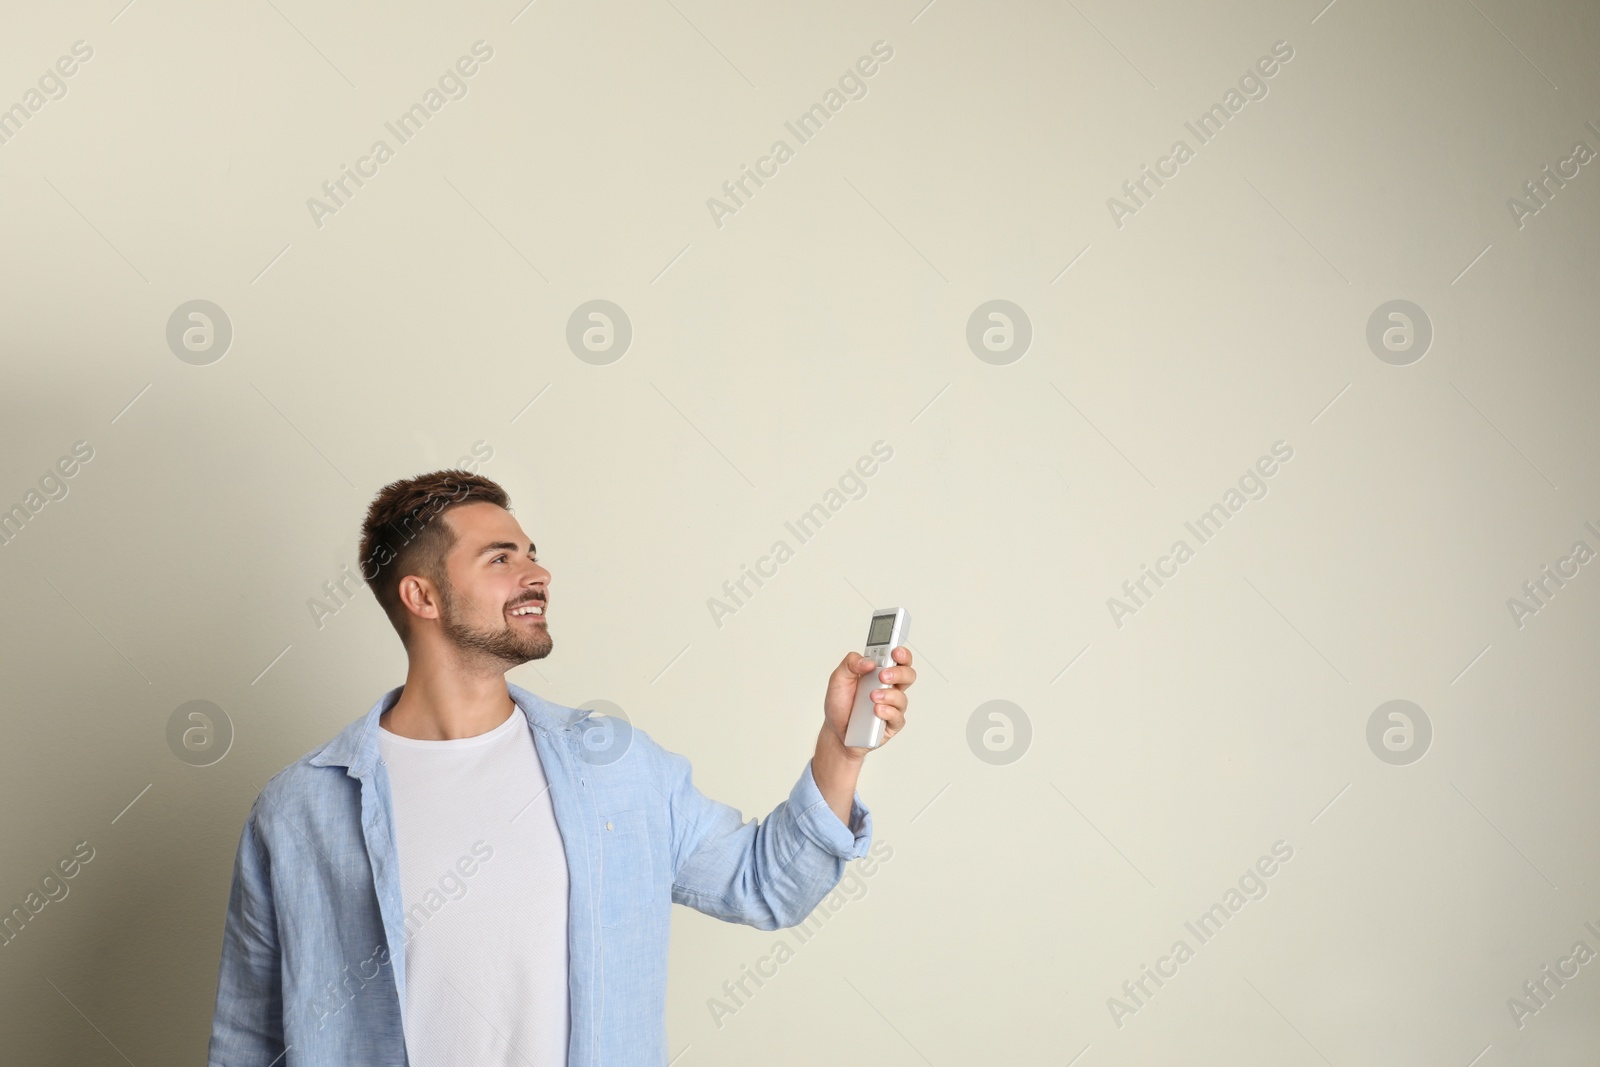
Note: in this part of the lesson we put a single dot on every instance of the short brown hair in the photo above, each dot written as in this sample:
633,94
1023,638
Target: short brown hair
400,536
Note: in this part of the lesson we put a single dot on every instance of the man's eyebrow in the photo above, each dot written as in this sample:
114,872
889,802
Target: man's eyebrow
504,546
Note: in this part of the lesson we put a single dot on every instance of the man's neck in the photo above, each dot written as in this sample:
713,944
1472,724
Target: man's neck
438,706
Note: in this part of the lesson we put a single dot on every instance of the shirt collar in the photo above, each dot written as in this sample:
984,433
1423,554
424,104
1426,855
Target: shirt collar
356,746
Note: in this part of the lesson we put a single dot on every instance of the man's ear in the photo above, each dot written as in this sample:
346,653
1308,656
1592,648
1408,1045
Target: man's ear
419,596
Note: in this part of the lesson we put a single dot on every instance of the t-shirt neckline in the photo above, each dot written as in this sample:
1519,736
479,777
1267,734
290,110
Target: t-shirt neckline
488,737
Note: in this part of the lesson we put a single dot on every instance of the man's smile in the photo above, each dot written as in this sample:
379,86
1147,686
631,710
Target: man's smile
534,609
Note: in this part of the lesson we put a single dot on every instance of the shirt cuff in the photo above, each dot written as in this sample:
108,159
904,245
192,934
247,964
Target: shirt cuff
822,827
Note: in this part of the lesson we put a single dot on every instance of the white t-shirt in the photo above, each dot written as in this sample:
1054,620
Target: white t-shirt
483,879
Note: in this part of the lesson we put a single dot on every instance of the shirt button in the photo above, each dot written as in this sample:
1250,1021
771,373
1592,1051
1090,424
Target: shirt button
608,824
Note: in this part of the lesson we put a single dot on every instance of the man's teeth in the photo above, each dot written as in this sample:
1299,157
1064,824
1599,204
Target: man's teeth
530,609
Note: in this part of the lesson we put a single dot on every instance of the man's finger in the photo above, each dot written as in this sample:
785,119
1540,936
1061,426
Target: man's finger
901,675
850,667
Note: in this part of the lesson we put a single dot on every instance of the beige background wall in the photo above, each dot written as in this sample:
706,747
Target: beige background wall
1167,754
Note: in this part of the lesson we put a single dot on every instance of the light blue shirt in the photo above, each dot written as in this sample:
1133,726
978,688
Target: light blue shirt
313,967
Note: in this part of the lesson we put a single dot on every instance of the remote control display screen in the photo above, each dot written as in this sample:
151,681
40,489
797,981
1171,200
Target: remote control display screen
882,627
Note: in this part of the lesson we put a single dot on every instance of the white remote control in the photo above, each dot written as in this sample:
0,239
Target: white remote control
889,629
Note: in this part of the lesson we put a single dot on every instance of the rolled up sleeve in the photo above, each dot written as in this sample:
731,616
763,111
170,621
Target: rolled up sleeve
823,827
766,874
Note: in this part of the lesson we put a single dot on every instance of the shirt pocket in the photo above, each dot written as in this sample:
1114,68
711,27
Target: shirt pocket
625,867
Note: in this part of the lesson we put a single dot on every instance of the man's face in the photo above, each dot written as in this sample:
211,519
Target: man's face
492,570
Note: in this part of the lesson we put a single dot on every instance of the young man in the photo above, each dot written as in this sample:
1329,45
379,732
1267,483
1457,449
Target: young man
470,874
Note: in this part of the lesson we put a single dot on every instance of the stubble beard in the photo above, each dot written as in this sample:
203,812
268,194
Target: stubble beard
510,643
